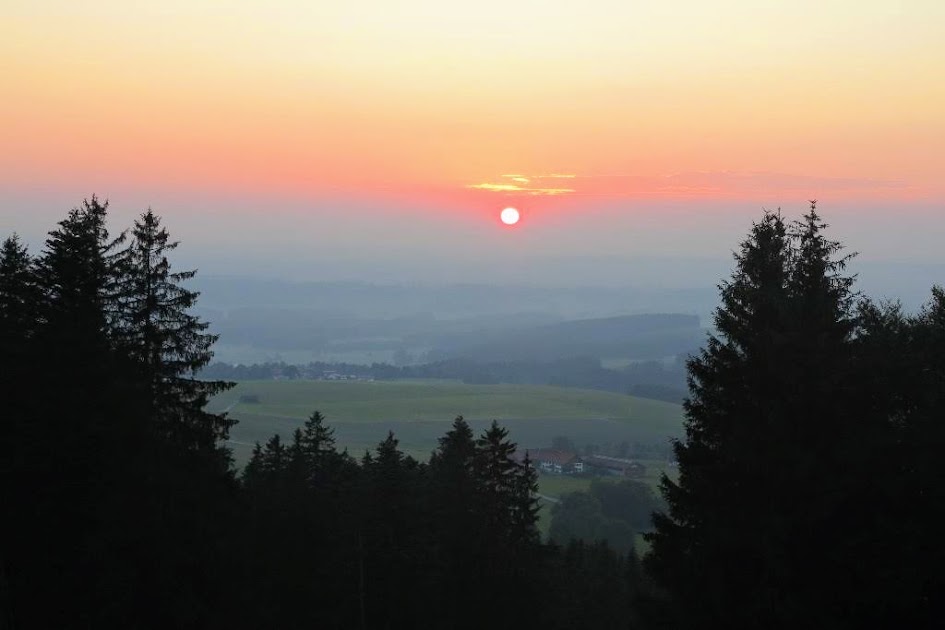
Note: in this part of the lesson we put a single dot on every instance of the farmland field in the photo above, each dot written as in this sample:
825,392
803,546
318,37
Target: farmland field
419,412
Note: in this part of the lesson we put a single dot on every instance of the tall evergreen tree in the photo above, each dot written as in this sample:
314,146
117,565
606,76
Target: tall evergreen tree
168,343
76,440
77,274
762,435
454,499
19,297
454,484
317,447
497,473
394,536
508,528
728,381
252,475
185,493
525,506
832,460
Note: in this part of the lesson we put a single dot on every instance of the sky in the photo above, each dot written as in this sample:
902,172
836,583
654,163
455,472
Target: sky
299,138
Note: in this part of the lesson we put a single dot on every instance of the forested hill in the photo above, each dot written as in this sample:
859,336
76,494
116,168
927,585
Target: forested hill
253,334
639,336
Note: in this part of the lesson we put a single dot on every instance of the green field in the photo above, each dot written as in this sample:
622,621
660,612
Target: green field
419,412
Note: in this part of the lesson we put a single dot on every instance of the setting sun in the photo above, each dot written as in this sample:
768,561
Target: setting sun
509,216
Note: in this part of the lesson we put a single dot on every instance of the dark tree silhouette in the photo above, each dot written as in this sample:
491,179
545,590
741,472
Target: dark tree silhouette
19,298
453,496
166,341
765,429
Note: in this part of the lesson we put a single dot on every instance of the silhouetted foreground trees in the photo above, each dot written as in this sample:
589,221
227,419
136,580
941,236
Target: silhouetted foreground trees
121,506
117,494
810,489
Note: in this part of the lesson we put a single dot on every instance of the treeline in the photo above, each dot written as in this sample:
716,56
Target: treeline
393,542
122,508
647,379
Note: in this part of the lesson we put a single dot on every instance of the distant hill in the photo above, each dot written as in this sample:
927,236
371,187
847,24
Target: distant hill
299,322
385,301
633,336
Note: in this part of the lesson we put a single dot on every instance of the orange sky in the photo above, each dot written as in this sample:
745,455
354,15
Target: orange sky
429,99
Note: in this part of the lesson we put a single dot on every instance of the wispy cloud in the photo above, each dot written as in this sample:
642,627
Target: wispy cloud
697,183
515,183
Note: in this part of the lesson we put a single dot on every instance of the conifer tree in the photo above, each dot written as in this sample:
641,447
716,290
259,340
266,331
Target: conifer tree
317,447
525,507
508,527
76,441
253,471
454,483
180,470
454,499
455,454
507,488
497,472
168,343
734,517
19,296
394,535
76,273
274,460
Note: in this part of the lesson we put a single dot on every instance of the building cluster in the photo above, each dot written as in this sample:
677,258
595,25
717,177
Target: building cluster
331,375
557,462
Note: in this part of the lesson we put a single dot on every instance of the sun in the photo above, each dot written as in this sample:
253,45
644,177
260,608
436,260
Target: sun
509,216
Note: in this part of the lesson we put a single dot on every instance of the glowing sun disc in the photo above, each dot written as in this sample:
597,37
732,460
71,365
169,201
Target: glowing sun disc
509,216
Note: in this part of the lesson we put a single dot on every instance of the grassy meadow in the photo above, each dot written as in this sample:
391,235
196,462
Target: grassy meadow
419,412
